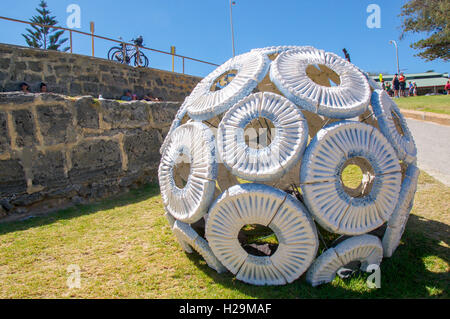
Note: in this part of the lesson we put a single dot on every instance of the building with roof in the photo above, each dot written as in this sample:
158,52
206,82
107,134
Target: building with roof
429,82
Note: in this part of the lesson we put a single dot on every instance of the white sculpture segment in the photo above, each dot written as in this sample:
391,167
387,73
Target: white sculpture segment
397,223
393,125
263,142
288,138
261,204
194,142
333,207
349,98
249,69
366,249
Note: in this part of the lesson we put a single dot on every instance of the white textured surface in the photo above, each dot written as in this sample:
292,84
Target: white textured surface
190,203
284,160
260,204
397,222
279,49
251,68
364,248
321,184
349,99
404,145
277,158
188,238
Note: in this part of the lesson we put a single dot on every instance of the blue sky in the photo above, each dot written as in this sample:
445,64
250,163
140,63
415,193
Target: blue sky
201,29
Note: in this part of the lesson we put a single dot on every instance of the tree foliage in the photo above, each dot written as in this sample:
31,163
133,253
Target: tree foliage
433,18
44,37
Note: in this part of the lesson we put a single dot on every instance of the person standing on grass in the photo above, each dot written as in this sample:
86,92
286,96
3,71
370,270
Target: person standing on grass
410,89
402,80
447,87
415,88
396,85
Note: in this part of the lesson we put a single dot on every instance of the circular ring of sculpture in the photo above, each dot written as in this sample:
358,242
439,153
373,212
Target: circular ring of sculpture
260,204
195,143
366,249
274,160
393,125
335,208
397,223
249,69
348,99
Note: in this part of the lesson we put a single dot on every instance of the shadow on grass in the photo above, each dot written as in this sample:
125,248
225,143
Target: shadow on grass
404,275
134,196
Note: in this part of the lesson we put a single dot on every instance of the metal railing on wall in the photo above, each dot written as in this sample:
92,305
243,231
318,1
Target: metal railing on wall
122,43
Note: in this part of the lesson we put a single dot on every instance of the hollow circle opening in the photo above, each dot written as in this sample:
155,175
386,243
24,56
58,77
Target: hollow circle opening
223,80
181,170
259,133
323,75
357,177
258,240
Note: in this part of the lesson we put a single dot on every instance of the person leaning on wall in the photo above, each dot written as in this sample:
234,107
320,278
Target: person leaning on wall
24,87
43,88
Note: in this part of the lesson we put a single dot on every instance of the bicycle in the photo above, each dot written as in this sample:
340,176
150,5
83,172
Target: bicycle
140,59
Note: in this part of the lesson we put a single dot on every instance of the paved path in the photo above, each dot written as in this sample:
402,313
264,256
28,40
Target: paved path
433,148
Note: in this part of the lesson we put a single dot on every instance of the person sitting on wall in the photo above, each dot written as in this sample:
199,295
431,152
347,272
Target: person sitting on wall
43,87
150,97
126,96
24,87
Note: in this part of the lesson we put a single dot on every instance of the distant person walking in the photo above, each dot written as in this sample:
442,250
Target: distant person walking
415,88
396,85
447,87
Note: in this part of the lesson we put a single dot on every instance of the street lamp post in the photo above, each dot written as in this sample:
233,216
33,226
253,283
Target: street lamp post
396,51
231,23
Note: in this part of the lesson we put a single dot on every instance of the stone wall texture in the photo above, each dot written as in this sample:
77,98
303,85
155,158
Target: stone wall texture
77,75
56,151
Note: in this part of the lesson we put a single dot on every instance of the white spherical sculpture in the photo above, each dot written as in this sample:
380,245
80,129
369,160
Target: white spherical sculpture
264,140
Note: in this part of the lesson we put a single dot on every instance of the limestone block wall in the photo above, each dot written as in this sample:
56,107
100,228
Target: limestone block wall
56,151
76,75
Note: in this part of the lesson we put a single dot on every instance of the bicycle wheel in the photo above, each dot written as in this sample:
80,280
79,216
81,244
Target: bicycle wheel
117,56
112,53
143,60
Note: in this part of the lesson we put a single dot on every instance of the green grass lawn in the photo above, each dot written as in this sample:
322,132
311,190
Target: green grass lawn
126,249
434,103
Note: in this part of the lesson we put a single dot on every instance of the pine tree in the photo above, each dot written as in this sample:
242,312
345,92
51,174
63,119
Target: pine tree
44,37
430,17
